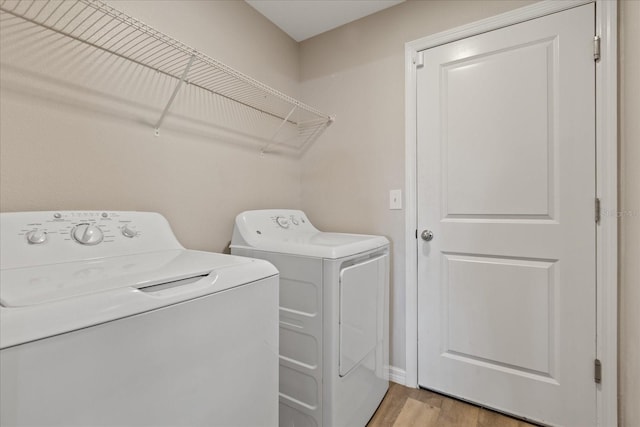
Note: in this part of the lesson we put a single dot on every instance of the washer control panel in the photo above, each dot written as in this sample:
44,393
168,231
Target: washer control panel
83,228
68,235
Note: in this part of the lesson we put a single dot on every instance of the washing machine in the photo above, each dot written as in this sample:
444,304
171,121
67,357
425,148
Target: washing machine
334,316
105,319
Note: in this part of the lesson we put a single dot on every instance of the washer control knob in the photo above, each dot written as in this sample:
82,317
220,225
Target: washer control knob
36,237
282,222
294,221
87,234
128,231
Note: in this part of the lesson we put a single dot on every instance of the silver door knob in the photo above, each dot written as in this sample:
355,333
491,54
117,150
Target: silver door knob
427,235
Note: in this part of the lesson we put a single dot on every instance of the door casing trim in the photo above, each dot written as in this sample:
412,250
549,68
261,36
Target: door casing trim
606,187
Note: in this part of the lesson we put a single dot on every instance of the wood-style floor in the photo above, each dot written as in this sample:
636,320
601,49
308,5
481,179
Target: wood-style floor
406,407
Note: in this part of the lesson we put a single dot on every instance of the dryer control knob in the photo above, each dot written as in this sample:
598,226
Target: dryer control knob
282,222
36,237
128,231
87,234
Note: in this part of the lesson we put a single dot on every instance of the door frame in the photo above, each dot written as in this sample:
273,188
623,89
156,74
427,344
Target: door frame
606,187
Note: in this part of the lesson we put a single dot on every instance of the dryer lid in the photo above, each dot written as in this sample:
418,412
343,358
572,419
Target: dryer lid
291,232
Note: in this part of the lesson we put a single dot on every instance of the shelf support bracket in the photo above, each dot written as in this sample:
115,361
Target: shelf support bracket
264,149
173,95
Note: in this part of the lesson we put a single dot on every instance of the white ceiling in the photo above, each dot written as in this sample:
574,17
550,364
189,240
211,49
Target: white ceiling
302,19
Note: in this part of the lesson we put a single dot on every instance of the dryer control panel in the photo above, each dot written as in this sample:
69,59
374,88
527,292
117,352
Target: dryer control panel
287,220
275,223
38,238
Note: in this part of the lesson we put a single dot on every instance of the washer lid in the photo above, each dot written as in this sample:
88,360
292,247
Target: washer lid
291,232
48,300
45,284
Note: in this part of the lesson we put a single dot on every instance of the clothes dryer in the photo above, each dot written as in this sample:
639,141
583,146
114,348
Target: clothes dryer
334,316
105,319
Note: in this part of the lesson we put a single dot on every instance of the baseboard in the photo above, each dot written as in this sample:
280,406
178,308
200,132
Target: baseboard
397,375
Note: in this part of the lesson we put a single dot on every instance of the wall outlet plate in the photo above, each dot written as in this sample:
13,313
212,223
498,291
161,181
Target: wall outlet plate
395,199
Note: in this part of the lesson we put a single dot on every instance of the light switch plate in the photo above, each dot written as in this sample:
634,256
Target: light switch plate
395,199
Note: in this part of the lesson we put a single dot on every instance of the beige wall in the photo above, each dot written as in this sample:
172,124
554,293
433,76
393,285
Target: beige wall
74,139
629,333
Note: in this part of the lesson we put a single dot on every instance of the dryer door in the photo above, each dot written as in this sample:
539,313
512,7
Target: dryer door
361,305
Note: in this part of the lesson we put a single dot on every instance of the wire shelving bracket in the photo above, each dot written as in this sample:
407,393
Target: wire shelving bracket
103,27
173,95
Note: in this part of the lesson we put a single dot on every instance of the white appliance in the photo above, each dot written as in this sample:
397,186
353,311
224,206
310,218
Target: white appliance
334,316
105,319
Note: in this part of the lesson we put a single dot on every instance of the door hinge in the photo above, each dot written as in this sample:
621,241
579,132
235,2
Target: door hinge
416,233
596,48
597,371
597,210
419,60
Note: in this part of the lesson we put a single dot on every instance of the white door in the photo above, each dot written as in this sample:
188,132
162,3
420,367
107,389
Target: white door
506,183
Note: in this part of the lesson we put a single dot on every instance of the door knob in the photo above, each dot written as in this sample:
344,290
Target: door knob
427,235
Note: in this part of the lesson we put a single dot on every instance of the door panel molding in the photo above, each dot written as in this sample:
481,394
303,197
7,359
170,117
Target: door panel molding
606,185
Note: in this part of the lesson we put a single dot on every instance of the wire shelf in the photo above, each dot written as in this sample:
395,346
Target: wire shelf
100,26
